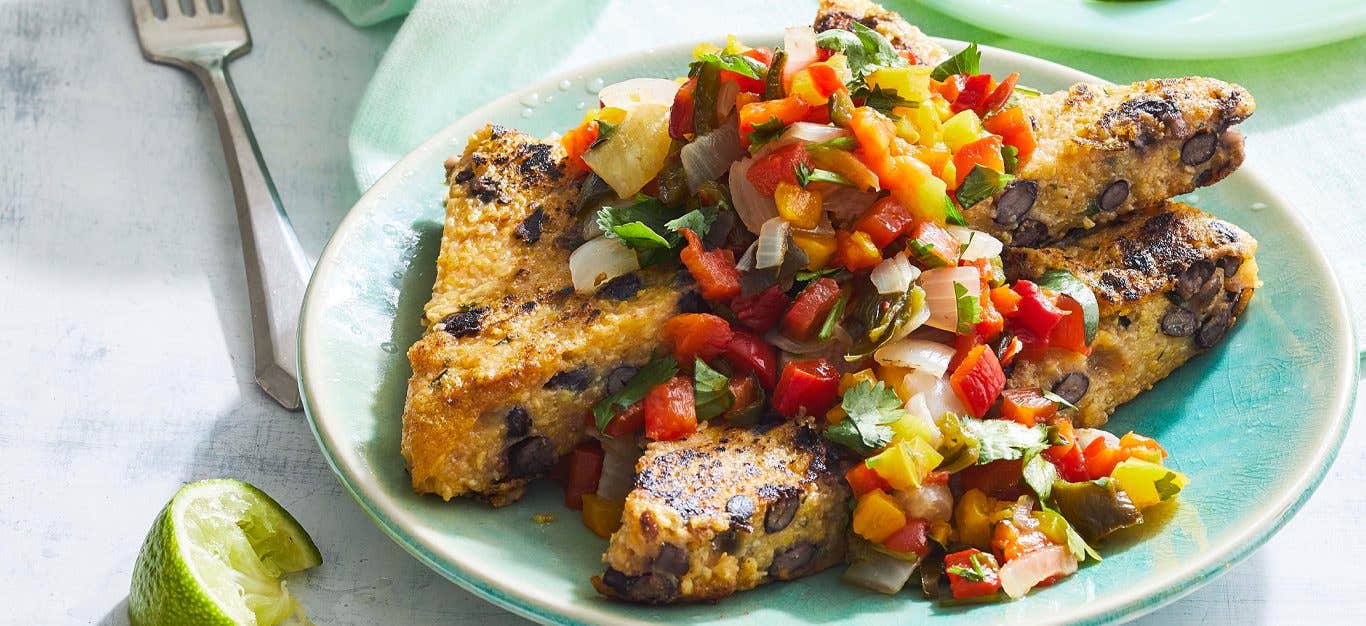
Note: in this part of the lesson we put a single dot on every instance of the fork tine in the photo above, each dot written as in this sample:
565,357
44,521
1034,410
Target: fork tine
201,8
142,11
232,9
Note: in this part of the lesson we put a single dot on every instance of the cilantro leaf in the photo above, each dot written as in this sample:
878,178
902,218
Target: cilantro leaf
866,50
1166,486
605,130
968,61
1011,156
924,254
981,183
1003,440
637,236
711,391
885,100
806,175
969,308
639,225
846,142
765,132
699,221
810,275
653,373
1039,474
739,64
951,213
870,408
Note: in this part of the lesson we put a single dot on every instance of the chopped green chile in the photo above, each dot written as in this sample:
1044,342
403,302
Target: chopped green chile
592,188
704,98
1095,508
773,82
884,321
673,179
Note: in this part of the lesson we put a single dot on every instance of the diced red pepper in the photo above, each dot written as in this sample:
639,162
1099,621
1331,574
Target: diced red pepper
628,422
1001,94
1013,126
1027,406
785,110
1102,455
911,538
1067,456
965,588
940,248
973,96
809,386
824,78
750,354
885,221
1070,333
812,306
978,380
680,114
713,270
863,479
949,87
937,477
777,167
697,336
985,152
817,115
670,410
761,311
585,468
1036,314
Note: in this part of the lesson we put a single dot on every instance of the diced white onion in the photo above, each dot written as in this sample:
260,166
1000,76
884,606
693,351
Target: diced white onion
979,244
598,261
753,207
939,297
880,572
894,274
710,155
800,44
725,98
1020,574
931,502
937,393
810,132
920,412
928,357
629,93
846,203
772,243
619,456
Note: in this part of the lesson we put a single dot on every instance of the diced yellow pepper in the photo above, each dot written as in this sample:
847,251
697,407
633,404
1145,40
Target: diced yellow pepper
942,532
896,379
962,129
733,45
798,205
941,108
949,173
1052,525
845,164
600,515
905,129
919,190
1147,483
910,83
840,64
612,115
927,125
972,518
705,48
818,248
877,516
905,463
916,427
804,88
852,379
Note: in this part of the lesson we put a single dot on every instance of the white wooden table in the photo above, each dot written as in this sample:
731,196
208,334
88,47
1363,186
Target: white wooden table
125,347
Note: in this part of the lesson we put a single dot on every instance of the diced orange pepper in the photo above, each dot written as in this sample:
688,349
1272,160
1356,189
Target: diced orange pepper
786,110
1145,448
877,516
819,248
937,158
1102,455
600,515
874,133
985,152
1005,300
862,479
1014,128
576,141
857,251
1027,406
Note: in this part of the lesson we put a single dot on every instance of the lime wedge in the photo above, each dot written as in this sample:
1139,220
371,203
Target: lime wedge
215,555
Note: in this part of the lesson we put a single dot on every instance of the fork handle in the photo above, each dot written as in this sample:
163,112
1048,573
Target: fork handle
277,269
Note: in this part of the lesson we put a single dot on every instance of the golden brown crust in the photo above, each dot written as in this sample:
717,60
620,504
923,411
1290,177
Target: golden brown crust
1170,282
725,510
513,358
839,14
1104,151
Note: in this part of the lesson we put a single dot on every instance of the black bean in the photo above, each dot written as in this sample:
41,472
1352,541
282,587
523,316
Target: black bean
671,560
618,377
518,422
465,322
623,287
1199,148
1015,201
576,379
650,587
530,228
1230,265
741,508
1029,233
1072,387
726,541
793,561
1203,178
530,457
692,302
1114,195
1179,322
1208,291
1213,329
781,511
1193,279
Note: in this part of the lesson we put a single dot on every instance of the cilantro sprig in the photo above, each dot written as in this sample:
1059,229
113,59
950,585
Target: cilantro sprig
651,228
653,373
870,409
969,61
866,50
765,132
737,63
969,308
711,391
981,183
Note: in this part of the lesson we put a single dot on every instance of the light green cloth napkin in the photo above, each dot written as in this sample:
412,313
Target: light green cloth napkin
368,12
451,56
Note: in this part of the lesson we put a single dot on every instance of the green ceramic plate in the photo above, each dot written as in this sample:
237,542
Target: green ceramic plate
1255,423
1168,29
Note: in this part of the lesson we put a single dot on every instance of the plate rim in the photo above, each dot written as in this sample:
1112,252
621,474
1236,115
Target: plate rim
1131,603
1075,34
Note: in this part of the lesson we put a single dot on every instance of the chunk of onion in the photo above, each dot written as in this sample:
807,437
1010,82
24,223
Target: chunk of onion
753,207
1020,574
894,274
629,93
931,502
810,132
846,203
800,44
936,391
725,98
710,155
918,354
1086,435
880,572
979,244
924,420
598,261
939,297
772,243
619,456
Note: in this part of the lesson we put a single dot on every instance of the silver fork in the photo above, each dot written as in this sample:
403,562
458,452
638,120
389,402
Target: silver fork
202,41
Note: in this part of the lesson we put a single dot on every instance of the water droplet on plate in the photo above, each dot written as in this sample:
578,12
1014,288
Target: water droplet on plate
565,85
388,346
530,100
528,112
594,86
389,229
548,99
580,106
1258,206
